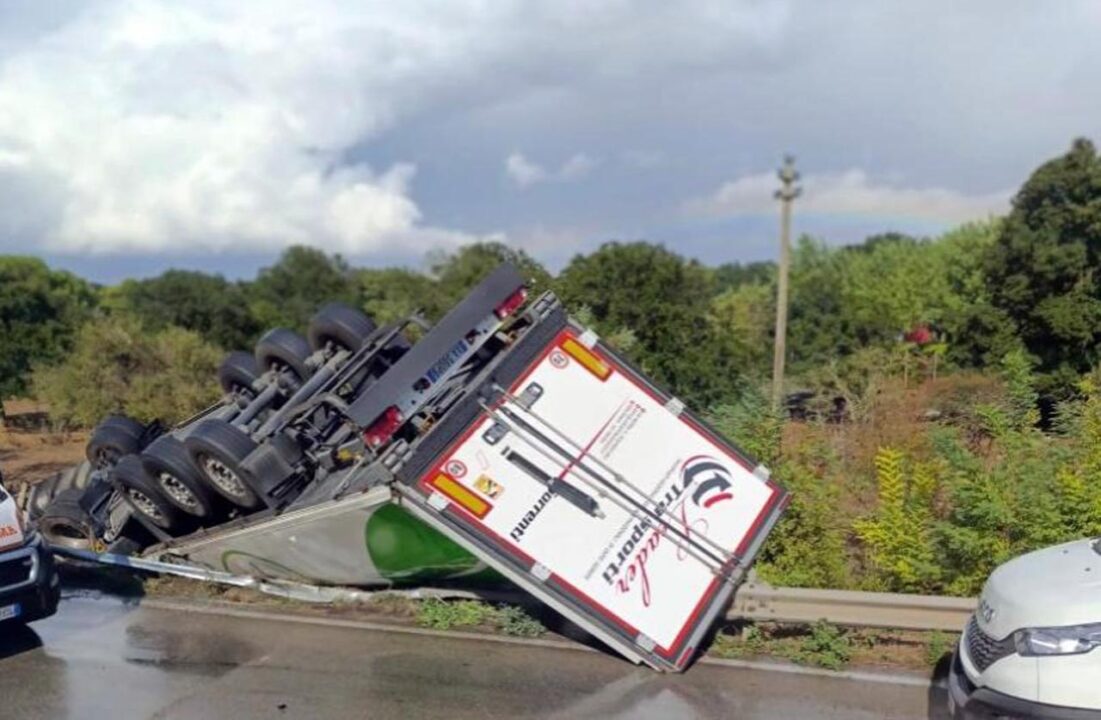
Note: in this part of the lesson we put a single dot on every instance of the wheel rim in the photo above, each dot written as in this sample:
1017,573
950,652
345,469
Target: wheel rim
66,533
178,491
224,478
146,505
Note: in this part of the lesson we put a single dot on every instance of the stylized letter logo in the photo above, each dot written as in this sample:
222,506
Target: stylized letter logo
710,479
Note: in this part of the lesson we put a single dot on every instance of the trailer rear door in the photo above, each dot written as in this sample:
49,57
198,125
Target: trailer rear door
604,497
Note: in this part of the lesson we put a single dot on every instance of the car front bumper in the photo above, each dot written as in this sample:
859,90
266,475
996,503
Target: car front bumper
966,701
30,582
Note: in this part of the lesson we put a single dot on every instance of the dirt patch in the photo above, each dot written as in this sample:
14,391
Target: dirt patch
29,450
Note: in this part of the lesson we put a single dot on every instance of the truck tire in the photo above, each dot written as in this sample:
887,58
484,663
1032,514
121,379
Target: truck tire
168,464
217,449
129,475
64,523
237,372
281,348
340,325
115,437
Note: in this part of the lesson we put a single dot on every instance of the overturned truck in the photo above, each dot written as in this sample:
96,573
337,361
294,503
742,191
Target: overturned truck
508,438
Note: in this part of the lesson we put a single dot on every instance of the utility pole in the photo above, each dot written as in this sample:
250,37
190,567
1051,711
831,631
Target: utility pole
786,195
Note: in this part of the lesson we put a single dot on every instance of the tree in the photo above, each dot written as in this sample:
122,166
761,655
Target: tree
289,292
116,366
729,276
1041,270
663,300
818,330
208,304
390,294
40,311
457,273
742,320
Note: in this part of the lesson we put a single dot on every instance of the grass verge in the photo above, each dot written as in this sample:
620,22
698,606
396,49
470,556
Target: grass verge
820,644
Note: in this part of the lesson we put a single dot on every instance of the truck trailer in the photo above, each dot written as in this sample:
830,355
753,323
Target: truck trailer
507,439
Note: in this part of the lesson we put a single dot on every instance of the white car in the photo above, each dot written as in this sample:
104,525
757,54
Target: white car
29,585
1031,648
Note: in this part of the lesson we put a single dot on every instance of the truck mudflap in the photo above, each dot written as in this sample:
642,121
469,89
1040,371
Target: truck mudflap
602,496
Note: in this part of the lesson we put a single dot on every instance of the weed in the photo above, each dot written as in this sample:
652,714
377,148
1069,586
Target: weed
514,620
826,646
937,646
444,615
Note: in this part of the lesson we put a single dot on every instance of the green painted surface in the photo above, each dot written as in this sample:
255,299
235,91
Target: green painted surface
404,549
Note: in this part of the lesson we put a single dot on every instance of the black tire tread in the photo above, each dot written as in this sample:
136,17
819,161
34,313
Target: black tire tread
230,445
281,346
339,324
168,454
239,369
129,473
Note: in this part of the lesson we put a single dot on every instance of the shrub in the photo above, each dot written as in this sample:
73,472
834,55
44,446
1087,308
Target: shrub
899,533
115,366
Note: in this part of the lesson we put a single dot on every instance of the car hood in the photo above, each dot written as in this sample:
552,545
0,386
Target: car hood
1059,585
11,534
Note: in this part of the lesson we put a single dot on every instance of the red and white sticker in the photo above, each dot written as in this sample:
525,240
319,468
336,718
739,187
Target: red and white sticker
455,468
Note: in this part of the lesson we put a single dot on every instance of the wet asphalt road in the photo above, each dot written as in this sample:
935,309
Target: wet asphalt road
103,658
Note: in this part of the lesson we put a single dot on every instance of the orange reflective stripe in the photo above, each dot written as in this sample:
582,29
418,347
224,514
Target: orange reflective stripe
587,358
458,493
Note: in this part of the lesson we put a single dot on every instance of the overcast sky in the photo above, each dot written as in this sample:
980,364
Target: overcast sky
135,136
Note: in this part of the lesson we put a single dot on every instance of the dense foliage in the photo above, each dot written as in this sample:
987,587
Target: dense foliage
951,416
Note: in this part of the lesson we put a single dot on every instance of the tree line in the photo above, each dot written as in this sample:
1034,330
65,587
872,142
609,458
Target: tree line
1025,281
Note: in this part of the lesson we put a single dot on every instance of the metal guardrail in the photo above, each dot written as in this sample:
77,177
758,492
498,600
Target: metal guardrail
753,600
758,601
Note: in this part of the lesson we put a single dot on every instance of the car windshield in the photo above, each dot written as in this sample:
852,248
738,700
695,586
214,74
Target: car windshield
3,495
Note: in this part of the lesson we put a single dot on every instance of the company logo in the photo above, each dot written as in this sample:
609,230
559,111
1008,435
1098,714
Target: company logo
986,612
455,468
710,480
706,482
7,531
530,515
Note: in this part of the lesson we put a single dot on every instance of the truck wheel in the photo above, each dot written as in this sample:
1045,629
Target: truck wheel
146,497
340,325
280,349
217,449
64,523
113,438
237,372
168,463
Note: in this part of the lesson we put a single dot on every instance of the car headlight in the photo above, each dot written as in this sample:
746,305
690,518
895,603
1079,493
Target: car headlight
1069,640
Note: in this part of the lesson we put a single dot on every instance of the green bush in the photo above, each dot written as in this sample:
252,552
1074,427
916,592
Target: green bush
115,366
898,535
445,615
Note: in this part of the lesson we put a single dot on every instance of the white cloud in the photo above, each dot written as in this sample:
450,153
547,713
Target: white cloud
577,167
525,172
851,193
159,125
522,171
